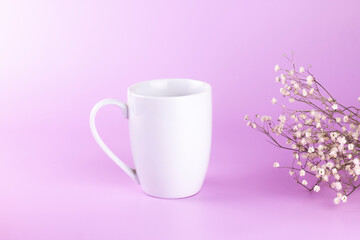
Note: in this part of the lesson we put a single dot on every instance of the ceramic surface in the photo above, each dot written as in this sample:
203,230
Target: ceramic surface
170,123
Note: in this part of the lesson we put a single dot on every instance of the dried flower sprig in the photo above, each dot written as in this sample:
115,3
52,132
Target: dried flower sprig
323,137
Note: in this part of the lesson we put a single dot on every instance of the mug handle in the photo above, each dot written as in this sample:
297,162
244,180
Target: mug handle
123,106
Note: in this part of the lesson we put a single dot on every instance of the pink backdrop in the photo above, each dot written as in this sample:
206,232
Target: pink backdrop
58,58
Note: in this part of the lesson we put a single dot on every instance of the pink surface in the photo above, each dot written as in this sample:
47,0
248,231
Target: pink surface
58,58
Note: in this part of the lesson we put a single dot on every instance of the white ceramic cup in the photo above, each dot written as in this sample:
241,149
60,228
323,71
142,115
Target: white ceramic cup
170,123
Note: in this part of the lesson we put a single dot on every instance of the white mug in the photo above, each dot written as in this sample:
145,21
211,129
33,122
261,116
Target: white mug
170,125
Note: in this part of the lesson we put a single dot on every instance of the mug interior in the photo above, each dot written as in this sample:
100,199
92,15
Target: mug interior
169,88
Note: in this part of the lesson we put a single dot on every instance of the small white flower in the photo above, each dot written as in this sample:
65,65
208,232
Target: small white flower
248,123
283,91
308,134
246,117
351,146
282,77
335,107
274,100
356,161
265,118
253,125
277,68
310,80
359,99
318,125
357,169
344,199
355,135
304,182
330,165
277,79
282,118
304,92
302,173
308,121
336,200
276,165
311,91
338,119
291,172
301,69
334,135
311,149
291,100
316,188
325,178
333,153
346,119
321,171
341,140
338,185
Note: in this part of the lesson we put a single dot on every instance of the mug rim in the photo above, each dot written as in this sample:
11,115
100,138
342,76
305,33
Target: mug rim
206,88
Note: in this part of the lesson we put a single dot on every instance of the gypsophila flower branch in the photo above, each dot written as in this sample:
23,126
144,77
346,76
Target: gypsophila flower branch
323,137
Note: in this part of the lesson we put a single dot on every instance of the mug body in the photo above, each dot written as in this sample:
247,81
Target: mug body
170,125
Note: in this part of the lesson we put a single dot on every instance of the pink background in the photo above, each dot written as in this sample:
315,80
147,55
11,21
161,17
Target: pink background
58,58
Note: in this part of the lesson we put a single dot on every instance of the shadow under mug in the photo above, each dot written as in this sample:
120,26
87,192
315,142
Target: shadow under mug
170,125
